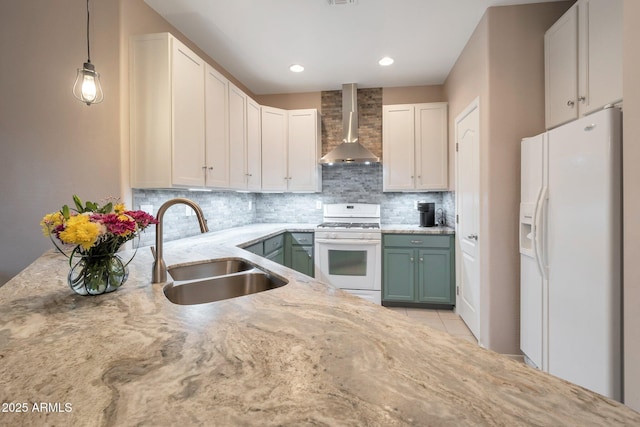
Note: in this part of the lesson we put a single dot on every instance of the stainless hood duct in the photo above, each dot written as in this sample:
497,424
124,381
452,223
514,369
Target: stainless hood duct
350,150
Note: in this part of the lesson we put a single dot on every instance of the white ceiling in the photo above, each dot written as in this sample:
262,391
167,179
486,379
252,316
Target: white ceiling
257,40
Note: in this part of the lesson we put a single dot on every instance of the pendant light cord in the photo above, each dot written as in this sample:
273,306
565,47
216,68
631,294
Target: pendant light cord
88,46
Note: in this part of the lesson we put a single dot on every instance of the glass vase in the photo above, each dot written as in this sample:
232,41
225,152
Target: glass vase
95,275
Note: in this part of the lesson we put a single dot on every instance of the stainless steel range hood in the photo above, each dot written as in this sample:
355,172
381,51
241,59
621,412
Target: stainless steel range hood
350,150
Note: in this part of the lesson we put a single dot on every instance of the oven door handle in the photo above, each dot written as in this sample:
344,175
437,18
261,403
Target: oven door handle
349,241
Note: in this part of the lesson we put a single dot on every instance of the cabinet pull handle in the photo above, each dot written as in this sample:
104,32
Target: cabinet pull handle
416,242
570,104
472,237
210,168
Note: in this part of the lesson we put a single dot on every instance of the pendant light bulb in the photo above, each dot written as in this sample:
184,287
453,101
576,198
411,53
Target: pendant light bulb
87,86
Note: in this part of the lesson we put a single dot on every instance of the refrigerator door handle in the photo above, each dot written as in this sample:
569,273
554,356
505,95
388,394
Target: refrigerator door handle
537,225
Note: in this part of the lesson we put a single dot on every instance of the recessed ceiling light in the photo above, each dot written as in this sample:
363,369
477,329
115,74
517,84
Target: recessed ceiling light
386,61
296,68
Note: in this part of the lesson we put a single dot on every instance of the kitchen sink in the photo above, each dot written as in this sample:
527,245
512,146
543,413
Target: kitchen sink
221,287
207,269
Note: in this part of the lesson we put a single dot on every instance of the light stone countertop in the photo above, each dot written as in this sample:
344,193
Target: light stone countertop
415,229
302,354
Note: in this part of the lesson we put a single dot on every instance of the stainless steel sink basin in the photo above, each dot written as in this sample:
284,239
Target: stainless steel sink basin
202,270
220,288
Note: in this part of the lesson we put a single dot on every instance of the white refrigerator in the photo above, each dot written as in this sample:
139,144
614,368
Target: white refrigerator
570,252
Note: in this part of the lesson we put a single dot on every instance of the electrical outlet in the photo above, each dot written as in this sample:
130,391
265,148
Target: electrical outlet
147,208
250,205
318,204
188,211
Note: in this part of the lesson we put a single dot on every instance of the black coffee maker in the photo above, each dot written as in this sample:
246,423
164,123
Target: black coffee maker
427,214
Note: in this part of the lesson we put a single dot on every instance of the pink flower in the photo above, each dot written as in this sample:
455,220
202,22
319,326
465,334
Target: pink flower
142,218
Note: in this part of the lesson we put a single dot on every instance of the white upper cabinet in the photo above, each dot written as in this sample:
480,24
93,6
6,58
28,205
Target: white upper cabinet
254,146
274,144
414,147
583,60
291,150
191,127
167,113
237,138
304,151
216,129
245,141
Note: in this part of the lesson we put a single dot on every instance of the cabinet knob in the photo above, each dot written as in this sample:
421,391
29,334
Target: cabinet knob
411,259
472,237
210,168
421,259
582,99
570,104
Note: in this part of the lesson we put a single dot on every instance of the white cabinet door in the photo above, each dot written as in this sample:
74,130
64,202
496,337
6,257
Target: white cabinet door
167,113
304,150
217,129
237,138
254,146
432,155
561,69
188,116
600,54
398,141
274,153
583,60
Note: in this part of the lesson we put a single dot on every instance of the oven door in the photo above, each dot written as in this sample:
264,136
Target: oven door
349,263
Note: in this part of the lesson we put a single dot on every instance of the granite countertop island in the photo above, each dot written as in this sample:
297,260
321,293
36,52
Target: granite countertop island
302,354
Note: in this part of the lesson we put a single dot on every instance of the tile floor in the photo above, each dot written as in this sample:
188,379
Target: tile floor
445,320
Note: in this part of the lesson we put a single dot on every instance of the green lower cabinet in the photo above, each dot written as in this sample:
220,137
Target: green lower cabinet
293,250
418,270
299,252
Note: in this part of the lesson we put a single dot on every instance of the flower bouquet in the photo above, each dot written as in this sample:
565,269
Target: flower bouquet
90,235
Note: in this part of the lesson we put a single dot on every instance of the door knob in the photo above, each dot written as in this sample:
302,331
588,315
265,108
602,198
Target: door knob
472,237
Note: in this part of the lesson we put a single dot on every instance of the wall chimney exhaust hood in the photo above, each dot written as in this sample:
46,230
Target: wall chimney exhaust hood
350,150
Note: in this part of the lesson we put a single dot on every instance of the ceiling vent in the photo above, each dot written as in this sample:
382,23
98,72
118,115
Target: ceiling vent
339,2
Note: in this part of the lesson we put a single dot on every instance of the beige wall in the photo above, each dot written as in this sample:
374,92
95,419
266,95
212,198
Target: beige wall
412,94
502,64
390,95
53,145
291,101
631,184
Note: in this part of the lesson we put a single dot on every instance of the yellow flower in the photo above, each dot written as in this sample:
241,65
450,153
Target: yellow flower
79,230
119,209
50,222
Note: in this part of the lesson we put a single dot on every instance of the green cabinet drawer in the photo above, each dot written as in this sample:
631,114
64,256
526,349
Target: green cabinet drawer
273,243
417,240
302,239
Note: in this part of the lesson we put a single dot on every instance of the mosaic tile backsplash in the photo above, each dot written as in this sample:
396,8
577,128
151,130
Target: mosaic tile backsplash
350,183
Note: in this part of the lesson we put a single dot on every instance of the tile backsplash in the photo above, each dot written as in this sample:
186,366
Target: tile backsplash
348,183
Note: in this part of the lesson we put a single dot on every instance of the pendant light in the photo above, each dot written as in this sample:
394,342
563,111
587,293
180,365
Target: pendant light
87,86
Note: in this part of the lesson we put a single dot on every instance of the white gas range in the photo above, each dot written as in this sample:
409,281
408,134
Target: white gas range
348,248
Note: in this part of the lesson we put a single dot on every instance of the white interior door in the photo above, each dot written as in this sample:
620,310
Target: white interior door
467,128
